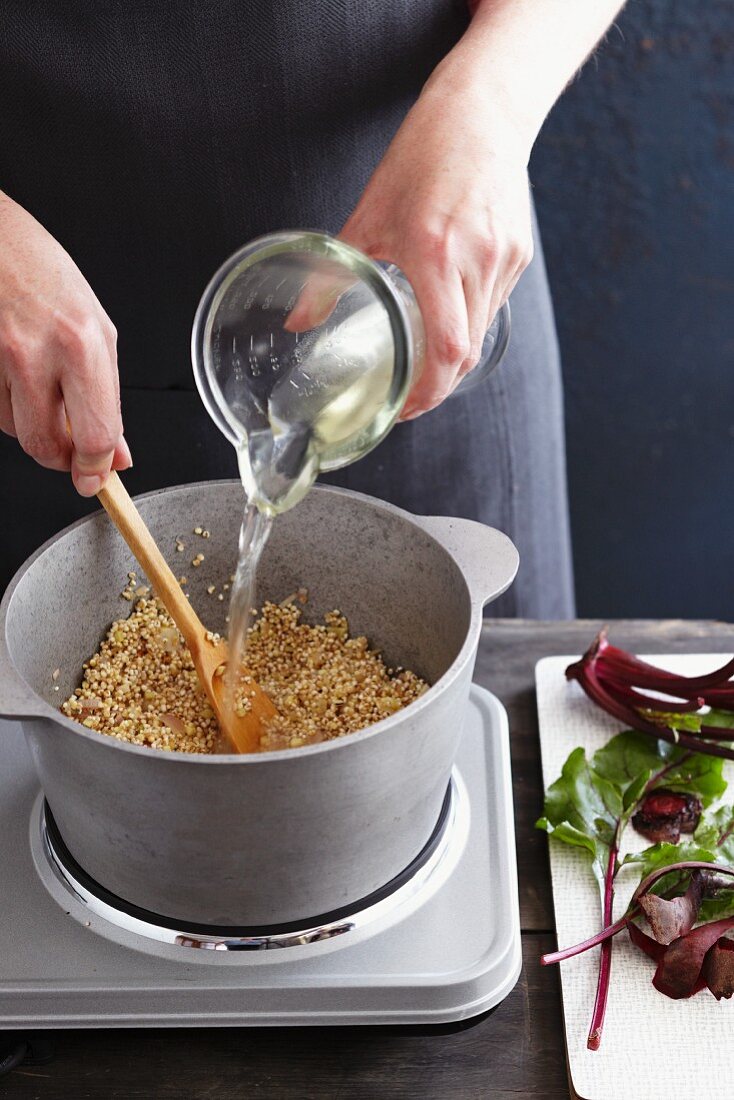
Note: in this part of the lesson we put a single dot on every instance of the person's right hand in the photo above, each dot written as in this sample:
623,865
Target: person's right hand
59,387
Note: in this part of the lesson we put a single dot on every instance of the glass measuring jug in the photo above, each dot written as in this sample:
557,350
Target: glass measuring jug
304,350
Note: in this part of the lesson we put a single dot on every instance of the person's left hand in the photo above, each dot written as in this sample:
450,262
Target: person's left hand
449,204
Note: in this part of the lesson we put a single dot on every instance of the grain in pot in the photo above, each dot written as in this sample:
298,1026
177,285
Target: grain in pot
141,685
323,682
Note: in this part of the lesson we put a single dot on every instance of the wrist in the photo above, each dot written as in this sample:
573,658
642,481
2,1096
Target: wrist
487,102
483,78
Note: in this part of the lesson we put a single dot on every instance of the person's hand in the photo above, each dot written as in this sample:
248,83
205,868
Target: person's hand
59,389
449,204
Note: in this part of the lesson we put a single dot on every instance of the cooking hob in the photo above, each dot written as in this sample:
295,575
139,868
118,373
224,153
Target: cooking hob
441,945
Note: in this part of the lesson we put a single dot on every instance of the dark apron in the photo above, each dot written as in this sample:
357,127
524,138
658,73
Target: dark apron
152,139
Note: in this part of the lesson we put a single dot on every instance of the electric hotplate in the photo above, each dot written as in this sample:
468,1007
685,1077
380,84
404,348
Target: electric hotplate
439,944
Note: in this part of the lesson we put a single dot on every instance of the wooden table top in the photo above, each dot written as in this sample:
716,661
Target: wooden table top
515,1051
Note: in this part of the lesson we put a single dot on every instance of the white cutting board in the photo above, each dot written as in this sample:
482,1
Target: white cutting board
652,1047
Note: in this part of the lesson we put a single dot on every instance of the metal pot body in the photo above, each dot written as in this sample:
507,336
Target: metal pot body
278,837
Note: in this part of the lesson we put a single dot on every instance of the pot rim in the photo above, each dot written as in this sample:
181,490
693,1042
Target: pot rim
46,711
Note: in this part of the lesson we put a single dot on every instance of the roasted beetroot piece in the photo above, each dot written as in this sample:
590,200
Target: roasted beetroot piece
663,815
671,918
701,958
680,971
718,969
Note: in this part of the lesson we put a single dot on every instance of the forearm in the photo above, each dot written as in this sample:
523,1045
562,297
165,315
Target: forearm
518,55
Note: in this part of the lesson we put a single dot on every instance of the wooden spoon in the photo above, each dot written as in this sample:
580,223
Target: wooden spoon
243,732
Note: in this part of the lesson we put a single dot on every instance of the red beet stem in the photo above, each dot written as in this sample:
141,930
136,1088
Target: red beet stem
593,1041
707,748
719,697
717,733
657,679
585,672
586,945
626,693
685,865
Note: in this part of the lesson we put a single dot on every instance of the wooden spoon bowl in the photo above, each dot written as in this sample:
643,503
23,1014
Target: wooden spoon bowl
209,653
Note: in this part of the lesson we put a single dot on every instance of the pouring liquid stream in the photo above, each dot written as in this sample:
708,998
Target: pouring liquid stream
254,534
276,471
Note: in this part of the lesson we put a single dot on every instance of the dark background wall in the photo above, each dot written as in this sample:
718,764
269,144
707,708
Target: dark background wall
634,184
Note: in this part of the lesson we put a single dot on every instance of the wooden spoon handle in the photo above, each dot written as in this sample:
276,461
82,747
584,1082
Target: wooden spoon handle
116,501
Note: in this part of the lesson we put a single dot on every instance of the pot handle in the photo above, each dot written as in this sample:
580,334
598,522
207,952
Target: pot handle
487,558
16,699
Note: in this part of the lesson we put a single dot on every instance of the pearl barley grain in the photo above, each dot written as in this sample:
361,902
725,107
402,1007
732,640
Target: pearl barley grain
141,686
